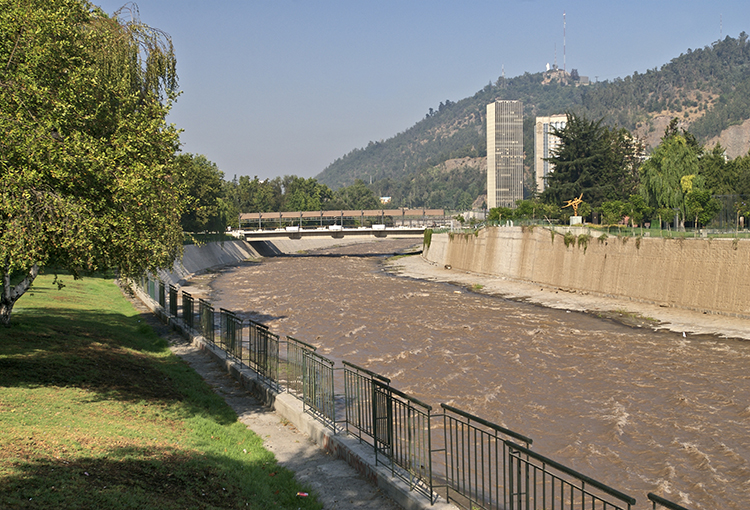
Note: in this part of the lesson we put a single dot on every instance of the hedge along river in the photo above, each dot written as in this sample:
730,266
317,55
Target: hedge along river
638,410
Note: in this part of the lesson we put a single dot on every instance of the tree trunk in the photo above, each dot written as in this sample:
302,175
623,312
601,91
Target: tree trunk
10,294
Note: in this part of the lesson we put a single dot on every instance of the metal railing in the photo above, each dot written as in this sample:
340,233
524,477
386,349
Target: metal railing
476,460
162,295
263,352
538,482
206,320
317,387
296,351
358,401
230,333
402,436
151,284
482,468
173,301
658,500
187,309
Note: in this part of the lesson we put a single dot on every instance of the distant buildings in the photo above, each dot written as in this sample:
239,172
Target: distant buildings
504,153
544,143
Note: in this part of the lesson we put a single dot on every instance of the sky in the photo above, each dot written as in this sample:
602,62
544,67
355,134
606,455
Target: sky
286,87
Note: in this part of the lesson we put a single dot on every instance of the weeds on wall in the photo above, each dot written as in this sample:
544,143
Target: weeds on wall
583,241
569,238
427,238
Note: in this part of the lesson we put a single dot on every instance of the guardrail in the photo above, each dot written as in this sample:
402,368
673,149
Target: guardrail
538,482
206,320
481,467
476,460
358,401
658,500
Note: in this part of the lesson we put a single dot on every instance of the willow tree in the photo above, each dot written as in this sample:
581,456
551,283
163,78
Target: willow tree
667,177
86,156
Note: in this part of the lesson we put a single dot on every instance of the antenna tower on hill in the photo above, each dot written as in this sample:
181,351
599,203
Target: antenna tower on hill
564,68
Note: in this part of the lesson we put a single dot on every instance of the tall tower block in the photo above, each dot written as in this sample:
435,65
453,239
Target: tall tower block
504,153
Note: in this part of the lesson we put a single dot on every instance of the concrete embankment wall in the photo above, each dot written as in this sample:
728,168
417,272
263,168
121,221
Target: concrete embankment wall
198,258
707,275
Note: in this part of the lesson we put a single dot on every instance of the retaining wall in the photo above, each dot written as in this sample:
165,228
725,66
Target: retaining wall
197,258
707,275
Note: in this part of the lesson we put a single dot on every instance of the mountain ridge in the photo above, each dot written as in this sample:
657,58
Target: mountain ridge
707,89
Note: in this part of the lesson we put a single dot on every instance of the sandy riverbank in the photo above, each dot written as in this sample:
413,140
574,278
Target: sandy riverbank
628,312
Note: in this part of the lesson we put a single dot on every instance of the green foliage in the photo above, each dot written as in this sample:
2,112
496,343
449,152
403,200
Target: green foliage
591,160
583,241
500,214
662,184
427,238
569,238
433,187
87,157
202,186
304,194
355,197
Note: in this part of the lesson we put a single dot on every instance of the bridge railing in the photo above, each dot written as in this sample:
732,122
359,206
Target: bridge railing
480,467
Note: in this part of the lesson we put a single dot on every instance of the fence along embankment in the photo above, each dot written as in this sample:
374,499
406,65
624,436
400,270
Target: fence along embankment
706,275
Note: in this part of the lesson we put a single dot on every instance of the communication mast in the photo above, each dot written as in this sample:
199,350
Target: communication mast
564,68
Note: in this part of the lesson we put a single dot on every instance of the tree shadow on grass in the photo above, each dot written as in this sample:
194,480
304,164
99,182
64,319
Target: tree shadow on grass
144,477
110,355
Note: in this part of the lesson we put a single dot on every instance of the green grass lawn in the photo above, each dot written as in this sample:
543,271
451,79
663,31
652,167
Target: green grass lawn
95,412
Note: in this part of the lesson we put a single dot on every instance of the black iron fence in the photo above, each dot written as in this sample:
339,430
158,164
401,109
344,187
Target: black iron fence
482,465
476,471
665,503
206,320
538,482
358,401
187,309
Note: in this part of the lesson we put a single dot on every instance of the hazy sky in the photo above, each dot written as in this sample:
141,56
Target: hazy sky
275,87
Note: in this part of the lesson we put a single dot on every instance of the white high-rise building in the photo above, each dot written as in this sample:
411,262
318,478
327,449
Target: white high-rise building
504,153
544,143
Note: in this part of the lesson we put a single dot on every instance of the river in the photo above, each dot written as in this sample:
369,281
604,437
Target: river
639,410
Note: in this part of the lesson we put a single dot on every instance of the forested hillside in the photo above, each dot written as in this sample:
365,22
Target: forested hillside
707,89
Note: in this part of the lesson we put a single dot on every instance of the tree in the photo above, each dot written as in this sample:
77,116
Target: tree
662,184
355,197
86,157
201,183
302,194
593,160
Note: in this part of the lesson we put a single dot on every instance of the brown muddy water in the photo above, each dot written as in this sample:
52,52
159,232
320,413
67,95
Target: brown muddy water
638,410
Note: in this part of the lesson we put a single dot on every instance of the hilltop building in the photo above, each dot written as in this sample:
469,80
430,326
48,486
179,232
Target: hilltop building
504,153
544,143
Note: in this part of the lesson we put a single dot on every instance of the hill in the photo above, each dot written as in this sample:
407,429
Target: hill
708,89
